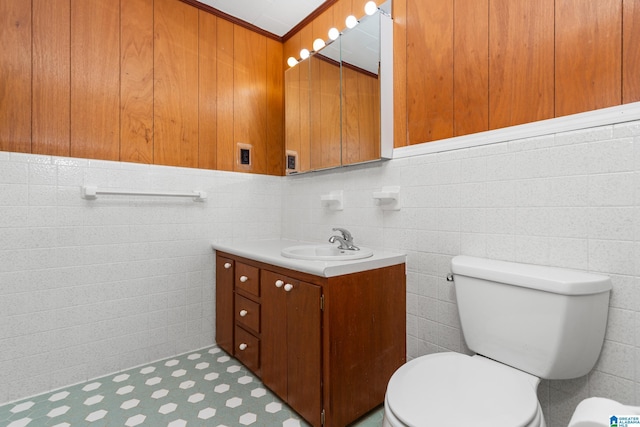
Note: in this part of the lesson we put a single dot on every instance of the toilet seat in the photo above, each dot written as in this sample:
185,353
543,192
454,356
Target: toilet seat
456,389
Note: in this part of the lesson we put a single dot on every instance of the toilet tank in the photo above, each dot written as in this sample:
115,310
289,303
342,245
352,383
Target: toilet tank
549,322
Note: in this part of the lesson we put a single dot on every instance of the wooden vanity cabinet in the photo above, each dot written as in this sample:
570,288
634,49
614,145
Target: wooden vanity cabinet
326,345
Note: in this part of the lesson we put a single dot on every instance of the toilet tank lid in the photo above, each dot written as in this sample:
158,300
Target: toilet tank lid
549,279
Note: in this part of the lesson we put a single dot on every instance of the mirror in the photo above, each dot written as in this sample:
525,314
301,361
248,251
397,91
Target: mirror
338,102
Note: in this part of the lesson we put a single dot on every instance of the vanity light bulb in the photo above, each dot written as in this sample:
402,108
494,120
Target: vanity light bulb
370,8
318,44
304,54
351,21
292,62
334,33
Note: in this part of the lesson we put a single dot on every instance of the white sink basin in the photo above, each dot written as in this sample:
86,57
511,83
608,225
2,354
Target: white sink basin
324,253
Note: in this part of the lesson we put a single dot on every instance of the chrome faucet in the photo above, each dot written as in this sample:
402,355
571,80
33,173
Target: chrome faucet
346,241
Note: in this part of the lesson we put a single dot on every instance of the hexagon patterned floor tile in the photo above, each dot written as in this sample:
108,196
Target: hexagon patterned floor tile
204,387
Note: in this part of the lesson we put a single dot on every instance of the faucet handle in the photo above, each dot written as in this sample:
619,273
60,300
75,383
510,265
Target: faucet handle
345,234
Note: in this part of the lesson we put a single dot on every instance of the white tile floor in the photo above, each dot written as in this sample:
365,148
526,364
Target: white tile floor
201,388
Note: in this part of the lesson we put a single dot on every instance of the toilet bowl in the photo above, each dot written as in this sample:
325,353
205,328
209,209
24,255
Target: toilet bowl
523,322
433,390
597,412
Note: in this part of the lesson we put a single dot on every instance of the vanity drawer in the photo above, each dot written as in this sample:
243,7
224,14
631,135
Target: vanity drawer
248,278
248,313
247,349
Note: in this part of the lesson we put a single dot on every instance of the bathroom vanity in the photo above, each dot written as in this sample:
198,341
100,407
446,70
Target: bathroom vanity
325,336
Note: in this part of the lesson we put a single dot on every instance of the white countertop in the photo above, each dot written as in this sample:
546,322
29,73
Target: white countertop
268,251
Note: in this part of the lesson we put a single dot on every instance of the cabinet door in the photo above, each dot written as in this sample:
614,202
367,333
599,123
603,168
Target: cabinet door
224,303
304,350
274,333
291,343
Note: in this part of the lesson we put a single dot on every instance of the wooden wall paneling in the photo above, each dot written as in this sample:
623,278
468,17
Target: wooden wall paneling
15,75
631,51
471,66
588,55
306,39
429,70
275,108
250,96
136,81
358,8
225,145
175,84
95,79
341,9
521,46
207,92
292,48
399,13
51,73
322,24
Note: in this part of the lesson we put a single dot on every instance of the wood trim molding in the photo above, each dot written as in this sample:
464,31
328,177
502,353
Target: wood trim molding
324,6
233,19
347,65
575,122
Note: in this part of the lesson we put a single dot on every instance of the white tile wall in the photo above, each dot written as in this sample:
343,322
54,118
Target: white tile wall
92,287
570,200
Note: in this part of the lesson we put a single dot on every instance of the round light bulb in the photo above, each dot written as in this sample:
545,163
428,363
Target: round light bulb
351,21
318,44
334,33
370,8
304,53
292,62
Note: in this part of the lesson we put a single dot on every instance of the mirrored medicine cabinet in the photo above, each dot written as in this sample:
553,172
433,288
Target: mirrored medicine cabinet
339,100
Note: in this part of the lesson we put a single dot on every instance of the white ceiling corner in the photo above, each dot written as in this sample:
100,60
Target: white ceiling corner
275,16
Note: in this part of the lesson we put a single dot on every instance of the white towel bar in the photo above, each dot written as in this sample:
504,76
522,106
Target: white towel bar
91,192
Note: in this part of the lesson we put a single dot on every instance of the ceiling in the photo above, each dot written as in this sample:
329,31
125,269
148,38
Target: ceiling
274,16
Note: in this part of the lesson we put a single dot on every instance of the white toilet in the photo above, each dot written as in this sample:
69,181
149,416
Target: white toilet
524,322
597,412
